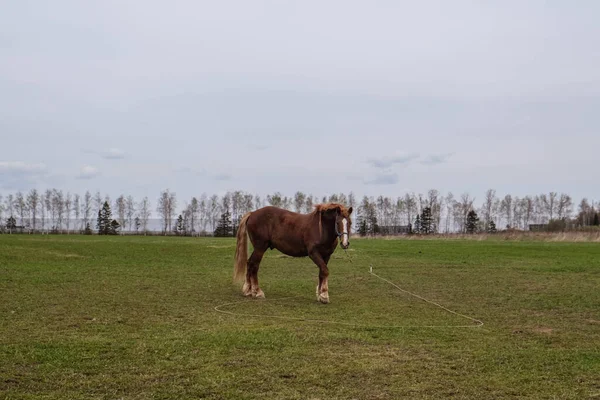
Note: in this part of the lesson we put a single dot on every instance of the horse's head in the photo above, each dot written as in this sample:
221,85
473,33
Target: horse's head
343,222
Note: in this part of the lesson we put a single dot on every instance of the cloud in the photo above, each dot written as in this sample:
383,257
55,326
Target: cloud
383,179
435,159
217,176
222,177
387,162
15,174
20,167
114,154
191,171
88,172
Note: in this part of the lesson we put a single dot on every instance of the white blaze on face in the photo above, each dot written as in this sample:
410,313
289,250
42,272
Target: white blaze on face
345,237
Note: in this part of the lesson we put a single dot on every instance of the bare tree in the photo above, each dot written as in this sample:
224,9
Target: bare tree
449,208
1,213
490,204
203,211
98,203
58,206
351,200
77,209
585,212
49,209
309,204
398,211
237,199
410,204
213,207
539,209
144,214
435,202
506,209
299,199
21,207
87,208
275,200
517,212
129,211
564,207
248,203
121,208
67,207
193,214
257,202
42,205
226,203
527,210
166,207
466,205
10,205
551,204
287,203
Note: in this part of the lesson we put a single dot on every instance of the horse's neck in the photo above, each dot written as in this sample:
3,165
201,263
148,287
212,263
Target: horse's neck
327,230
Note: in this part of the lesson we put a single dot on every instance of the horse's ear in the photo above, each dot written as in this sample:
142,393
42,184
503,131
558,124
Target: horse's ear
350,211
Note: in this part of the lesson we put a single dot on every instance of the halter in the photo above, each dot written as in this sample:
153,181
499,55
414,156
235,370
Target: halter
338,232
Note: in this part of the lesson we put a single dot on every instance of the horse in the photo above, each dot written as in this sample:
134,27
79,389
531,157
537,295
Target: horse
314,235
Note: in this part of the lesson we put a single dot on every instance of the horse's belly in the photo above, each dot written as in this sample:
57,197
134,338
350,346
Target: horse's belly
293,253
293,249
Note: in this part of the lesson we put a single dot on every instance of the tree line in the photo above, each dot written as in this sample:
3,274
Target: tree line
54,211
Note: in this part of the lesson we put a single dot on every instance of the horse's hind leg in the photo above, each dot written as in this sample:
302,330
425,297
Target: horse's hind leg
251,286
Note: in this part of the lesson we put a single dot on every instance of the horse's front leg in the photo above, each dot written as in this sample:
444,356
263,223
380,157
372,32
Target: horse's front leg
322,287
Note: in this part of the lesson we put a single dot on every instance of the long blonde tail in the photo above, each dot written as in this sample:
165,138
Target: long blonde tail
241,250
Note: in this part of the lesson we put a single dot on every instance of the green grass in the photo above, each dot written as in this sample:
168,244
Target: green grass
133,318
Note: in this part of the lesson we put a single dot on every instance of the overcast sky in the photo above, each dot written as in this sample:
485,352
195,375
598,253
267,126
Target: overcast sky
374,97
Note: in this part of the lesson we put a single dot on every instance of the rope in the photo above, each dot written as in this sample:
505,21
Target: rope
478,322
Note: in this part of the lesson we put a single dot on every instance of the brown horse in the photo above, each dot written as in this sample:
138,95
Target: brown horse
298,235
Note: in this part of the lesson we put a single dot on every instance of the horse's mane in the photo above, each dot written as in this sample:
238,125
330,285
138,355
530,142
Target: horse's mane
318,208
330,206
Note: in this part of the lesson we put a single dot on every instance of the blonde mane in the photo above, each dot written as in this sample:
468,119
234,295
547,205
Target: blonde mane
322,207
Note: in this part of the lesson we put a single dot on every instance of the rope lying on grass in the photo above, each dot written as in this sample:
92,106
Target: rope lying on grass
478,322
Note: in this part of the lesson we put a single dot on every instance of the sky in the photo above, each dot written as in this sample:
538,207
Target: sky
369,97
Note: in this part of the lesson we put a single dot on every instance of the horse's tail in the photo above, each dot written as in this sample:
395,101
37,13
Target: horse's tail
241,249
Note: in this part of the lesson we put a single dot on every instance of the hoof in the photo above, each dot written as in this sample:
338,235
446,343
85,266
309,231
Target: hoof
259,295
323,298
247,290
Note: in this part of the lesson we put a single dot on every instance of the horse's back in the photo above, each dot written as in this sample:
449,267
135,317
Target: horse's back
279,229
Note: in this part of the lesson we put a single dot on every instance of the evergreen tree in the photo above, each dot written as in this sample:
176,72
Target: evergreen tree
426,226
11,223
113,227
138,223
362,227
492,227
472,221
88,229
103,223
179,227
417,227
224,226
596,220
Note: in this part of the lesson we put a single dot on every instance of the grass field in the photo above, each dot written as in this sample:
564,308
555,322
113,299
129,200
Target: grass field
86,317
